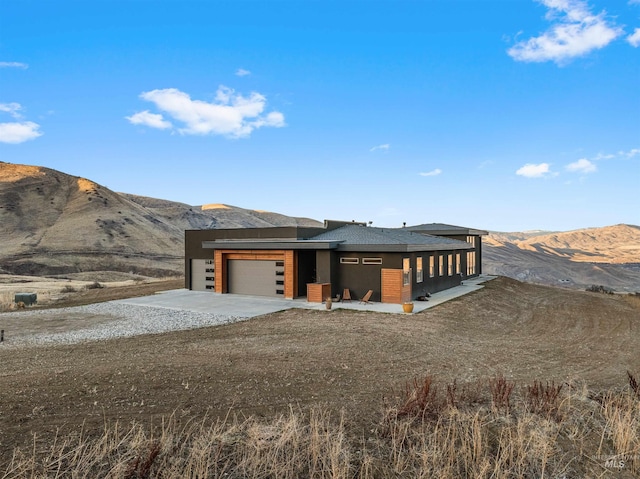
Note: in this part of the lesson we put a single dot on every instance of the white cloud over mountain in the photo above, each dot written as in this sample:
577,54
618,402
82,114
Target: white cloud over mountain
230,114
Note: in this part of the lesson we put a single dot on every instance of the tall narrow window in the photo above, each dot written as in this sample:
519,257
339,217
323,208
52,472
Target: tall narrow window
471,263
406,271
432,266
458,266
440,265
419,273
450,264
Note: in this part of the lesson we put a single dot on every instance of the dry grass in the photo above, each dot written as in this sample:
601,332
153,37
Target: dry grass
633,299
591,436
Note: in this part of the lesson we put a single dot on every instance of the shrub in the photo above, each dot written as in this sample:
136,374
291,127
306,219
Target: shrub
501,390
94,285
68,289
544,398
594,288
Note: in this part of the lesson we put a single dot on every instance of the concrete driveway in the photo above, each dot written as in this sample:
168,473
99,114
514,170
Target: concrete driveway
244,306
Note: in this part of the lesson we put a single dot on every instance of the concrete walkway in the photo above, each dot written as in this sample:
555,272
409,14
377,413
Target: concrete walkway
244,306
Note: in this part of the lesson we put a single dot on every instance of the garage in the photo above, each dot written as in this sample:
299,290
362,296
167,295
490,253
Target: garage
202,275
256,277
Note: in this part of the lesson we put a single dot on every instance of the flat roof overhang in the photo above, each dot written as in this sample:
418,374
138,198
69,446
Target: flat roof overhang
270,244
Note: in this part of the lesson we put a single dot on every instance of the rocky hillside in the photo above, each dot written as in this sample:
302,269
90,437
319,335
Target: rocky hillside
608,256
54,223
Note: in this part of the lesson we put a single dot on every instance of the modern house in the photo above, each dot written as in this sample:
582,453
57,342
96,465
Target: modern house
396,264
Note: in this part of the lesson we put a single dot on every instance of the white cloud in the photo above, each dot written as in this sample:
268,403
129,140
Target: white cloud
19,132
604,156
581,166
634,38
230,114
385,147
241,72
154,120
574,33
435,172
534,171
13,65
633,152
11,108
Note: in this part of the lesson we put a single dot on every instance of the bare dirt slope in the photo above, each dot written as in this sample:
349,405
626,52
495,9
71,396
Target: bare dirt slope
612,244
607,256
54,223
298,359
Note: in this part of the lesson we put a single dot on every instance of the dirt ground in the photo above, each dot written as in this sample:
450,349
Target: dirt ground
298,358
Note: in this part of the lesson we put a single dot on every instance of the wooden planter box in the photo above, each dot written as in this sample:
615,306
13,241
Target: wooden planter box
318,292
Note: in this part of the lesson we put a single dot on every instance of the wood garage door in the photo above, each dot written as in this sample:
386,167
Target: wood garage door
255,277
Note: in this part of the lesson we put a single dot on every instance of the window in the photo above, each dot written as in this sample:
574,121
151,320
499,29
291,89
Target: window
210,286
280,264
208,270
279,273
209,261
280,282
471,263
432,266
450,264
279,291
371,260
472,240
406,271
419,273
349,260
440,265
458,266
208,278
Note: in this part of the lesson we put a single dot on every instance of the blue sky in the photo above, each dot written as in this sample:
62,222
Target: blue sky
503,115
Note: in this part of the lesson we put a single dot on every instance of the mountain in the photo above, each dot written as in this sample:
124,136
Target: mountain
55,223
608,256
52,223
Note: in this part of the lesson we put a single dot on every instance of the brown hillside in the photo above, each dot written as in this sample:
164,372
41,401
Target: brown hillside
608,256
612,244
54,223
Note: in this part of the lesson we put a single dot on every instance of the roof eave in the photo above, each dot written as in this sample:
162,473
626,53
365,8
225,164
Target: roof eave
270,245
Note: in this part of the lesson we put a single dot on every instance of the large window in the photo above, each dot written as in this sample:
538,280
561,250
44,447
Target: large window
472,240
419,273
